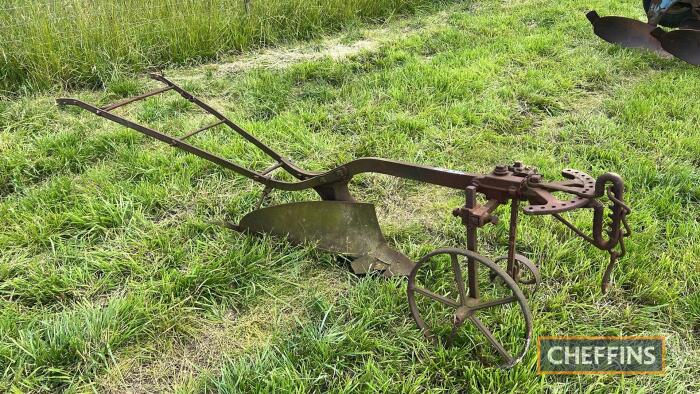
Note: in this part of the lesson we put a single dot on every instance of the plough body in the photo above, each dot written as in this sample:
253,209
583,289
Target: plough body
339,224
683,15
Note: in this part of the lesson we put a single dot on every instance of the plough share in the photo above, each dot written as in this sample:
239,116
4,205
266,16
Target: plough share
682,15
340,224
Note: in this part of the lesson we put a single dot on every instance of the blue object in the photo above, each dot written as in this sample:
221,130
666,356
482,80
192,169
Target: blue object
663,12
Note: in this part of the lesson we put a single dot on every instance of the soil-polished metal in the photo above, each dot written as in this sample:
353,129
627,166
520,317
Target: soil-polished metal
341,225
683,43
626,32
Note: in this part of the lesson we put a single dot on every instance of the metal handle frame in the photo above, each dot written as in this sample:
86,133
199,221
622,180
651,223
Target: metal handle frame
515,183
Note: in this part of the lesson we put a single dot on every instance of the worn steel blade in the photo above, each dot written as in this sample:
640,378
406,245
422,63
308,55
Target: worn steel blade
341,227
690,24
629,33
683,44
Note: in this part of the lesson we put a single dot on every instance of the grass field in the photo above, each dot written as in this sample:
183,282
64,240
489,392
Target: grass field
113,279
89,43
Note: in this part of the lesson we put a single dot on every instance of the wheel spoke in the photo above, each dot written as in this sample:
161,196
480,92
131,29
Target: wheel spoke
494,342
489,304
459,279
436,297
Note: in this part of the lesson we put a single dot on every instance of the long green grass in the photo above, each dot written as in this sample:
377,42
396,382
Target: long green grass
85,43
113,277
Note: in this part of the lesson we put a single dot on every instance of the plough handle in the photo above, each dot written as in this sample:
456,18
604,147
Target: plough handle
297,172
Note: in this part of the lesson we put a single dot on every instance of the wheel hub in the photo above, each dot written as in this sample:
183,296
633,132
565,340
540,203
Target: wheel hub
463,313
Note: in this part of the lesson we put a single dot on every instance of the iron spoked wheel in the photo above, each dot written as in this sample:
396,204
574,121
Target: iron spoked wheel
525,272
441,312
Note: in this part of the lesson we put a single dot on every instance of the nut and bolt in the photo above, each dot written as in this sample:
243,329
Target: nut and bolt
501,170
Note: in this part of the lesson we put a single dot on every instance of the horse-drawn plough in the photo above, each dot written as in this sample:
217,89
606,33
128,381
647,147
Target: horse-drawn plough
340,224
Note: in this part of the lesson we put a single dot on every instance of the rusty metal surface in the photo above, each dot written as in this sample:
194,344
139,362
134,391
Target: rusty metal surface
339,224
467,307
520,262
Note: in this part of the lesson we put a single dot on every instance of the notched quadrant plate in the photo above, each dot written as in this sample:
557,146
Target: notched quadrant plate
578,183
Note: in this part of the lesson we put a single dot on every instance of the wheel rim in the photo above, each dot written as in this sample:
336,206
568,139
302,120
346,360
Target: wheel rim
522,264
466,309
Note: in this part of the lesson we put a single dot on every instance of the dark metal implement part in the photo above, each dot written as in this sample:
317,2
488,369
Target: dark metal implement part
682,15
339,224
626,32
